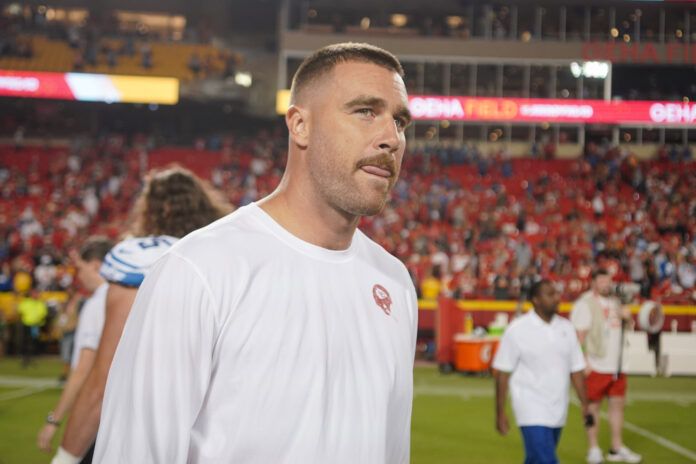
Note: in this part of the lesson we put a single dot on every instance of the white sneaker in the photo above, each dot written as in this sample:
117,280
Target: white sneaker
623,454
594,456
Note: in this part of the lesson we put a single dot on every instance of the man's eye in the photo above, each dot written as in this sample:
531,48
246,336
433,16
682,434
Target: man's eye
366,111
400,123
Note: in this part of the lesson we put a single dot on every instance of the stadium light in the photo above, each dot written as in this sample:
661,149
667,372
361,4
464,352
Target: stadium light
590,69
243,79
399,20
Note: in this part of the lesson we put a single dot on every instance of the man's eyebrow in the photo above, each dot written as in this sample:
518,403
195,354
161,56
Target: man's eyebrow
366,100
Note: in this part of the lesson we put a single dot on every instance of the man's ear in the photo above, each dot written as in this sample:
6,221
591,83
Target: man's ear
297,120
95,265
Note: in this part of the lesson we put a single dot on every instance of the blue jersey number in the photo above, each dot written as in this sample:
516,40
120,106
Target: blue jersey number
151,242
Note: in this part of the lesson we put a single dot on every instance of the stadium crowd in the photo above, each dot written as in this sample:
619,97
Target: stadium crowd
466,224
105,39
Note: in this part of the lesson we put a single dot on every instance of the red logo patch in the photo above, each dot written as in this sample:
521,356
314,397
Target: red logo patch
382,298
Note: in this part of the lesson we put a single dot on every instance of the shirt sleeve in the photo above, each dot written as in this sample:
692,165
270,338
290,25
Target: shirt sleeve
580,316
129,262
161,369
508,354
577,358
89,327
91,322
399,417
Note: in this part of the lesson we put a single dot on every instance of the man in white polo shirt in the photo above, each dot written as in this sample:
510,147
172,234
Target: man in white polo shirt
539,355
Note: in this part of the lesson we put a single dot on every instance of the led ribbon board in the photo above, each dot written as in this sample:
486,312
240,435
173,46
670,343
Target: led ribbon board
649,113
89,87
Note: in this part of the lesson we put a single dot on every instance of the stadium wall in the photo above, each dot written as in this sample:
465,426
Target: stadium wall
484,312
538,51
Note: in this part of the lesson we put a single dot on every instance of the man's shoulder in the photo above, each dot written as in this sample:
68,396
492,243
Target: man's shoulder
127,263
138,250
381,259
582,303
232,237
519,323
96,300
564,323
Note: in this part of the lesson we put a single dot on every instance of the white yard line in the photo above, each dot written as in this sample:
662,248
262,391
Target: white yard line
13,395
40,382
465,393
679,398
660,440
461,392
670,445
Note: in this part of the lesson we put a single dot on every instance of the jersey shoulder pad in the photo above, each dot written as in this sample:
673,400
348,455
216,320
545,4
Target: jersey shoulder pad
129,261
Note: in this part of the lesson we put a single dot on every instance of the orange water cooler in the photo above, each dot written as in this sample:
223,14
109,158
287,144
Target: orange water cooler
474,354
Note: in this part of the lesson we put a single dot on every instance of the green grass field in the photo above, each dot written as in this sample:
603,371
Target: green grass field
452,418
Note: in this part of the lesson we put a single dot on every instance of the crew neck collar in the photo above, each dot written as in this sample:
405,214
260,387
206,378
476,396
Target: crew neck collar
314,251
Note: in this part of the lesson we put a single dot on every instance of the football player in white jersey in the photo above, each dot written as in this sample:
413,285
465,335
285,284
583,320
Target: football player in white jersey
281,333
91,319
173,203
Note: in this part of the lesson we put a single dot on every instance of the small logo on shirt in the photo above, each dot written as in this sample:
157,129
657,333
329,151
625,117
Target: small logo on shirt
382,298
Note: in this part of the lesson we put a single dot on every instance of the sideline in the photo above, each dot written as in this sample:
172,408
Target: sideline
467,393
36,382
660,440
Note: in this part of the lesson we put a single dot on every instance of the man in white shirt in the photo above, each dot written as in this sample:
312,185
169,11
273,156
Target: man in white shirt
598,318
89,328
280,333
539,356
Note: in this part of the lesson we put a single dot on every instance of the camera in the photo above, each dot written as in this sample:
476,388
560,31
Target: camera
625,291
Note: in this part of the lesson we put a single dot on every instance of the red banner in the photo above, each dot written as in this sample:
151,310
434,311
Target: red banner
34,85
89,87
653,113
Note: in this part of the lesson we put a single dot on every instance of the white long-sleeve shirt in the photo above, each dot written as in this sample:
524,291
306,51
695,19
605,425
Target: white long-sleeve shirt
246,344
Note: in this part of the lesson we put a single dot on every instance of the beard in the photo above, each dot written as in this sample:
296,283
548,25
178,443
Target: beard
338,183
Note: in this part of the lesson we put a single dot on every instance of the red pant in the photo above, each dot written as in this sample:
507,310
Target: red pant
601,385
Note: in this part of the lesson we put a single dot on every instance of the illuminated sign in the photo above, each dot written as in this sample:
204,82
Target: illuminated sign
590,69
673,113
282,101
540,110
89,87
552,110
645,53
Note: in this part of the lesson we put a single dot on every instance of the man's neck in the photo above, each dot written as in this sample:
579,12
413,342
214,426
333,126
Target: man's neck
544,317
308,220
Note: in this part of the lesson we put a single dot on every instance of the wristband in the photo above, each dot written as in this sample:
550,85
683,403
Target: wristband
64,457
50,419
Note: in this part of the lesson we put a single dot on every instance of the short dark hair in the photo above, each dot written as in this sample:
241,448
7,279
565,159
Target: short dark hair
535,289
325,59
599,272
95,248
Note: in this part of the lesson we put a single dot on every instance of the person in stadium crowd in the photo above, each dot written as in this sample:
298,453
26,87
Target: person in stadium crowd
282,333
599,318
539,355
89,329
32,311
173,203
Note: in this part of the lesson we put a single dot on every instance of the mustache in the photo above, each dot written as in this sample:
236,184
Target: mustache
381,160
